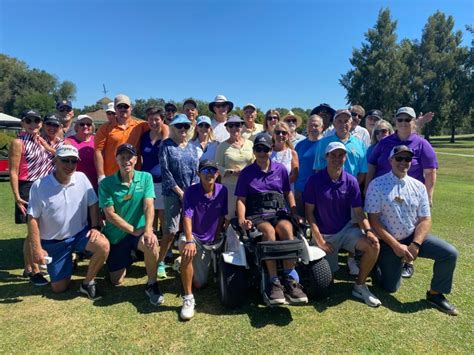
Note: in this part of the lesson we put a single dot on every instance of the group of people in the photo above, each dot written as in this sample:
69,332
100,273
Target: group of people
105,193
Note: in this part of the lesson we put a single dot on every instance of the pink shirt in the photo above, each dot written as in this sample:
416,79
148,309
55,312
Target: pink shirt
86,154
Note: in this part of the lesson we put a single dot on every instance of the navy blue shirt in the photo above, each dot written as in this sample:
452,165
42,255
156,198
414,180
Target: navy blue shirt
151,158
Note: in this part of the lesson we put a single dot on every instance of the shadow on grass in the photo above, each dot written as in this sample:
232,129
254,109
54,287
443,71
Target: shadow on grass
11,253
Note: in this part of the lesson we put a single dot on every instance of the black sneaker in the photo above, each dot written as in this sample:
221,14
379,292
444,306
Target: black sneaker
91,291
154,294
440,302
294,291
27,274
38,279
274,295
407,270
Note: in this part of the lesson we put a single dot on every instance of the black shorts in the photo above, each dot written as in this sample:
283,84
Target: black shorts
272,218
24,189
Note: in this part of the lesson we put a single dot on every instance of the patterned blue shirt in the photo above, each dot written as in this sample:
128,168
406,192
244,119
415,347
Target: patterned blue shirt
400,203
179,166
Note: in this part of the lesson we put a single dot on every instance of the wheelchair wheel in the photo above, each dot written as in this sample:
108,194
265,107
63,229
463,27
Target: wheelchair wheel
232,284
316,278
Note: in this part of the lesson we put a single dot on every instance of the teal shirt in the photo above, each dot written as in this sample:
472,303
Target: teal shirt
127,201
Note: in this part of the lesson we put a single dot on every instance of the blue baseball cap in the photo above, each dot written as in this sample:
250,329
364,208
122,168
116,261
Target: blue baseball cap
180,118
126,147
203,119
63,103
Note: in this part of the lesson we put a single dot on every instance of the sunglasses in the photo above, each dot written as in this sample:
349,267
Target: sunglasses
170,110
220,105
378,131
261,148
110,113
50,124
68,161
271,118
234,125
204,125
353,114
291,120
405,159
282,133
83,124
182,125
211,171
404,120
65,109
123,107
29,120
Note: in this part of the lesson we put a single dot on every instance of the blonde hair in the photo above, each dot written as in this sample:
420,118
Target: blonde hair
211,134
378,124
285,127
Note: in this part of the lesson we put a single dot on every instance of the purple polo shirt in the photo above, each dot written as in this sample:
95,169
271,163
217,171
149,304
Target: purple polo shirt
424,158
205,212
332,200
253,180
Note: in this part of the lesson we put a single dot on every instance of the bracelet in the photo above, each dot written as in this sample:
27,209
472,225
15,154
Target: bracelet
417,244
368,230
189,242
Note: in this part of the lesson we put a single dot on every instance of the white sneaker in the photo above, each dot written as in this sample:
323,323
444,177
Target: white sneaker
187,311
353,267
362,292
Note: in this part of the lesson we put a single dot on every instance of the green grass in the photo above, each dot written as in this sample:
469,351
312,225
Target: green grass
34,320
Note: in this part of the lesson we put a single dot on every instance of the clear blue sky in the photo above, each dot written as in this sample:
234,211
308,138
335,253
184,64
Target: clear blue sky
271,53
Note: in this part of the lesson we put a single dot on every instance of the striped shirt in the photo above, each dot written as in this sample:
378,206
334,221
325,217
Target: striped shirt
34,159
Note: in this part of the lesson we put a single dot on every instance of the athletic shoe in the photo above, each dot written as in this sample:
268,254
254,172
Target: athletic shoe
154,294
407,270
352,265
294,291
274,294
162,270
187,311
91,291
362,292
38,279
27,274
440,302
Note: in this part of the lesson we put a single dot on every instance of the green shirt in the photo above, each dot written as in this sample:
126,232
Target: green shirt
127,201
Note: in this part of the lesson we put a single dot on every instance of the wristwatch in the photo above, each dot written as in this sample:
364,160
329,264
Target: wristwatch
368,230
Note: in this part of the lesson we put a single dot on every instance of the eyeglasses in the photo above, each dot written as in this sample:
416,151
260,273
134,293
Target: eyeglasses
50,124
354,114
378,131
83,124
234,125
373,118
65,109
29,120
123,107
170,110
182,125
220,105
406,159
261,148
407,120
68,161
204,125
110,113
271,118
291,120
278,132
211,171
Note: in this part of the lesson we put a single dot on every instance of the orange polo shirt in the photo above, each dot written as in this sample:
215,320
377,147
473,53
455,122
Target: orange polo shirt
110,136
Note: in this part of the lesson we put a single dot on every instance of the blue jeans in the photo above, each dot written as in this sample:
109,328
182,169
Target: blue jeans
388,271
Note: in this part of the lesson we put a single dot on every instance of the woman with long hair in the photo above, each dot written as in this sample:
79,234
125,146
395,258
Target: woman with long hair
203,139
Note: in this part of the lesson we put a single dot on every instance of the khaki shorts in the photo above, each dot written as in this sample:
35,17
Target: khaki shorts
347,239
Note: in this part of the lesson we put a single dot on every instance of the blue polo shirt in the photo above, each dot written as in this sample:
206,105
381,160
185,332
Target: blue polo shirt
332,200
306,150
356,156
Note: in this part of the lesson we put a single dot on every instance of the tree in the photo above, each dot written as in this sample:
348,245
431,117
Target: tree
378,74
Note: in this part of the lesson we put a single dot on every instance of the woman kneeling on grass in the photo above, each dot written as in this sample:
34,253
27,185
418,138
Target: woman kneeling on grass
204,209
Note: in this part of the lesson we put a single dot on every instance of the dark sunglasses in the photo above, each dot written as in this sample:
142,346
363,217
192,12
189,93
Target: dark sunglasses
83,124
182,125
50,124
378,131
291,120
110,113
170,110
406,159
220,105
353,114
261,148
65,109
68,161
278,132
404,120
204,125
123,106
29,120
271,118
234,125
211,171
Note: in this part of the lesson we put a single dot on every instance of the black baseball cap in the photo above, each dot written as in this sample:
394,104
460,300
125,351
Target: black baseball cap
375,113
263,139
323,108
30,113
52,118
126,147
206,163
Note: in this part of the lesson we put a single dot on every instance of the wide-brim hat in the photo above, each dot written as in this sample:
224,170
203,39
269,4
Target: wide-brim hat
290,114
221,99
234,119
323,108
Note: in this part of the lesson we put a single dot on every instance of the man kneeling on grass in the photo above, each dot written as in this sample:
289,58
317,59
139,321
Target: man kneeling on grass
204,210
127,200
57,223
399,210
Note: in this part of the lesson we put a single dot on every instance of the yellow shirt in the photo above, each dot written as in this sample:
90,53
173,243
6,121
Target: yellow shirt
251,134
229,157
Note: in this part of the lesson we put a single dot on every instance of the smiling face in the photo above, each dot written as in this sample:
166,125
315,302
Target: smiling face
314,126
85,127
234,129
123,111
65,166
208,175
221,109
342,124
126,161
250,114
401,163
336,159
51,129
32,125
404,123
191,111
154,121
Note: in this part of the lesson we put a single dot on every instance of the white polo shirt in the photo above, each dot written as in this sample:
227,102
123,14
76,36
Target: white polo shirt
400,202
62,210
